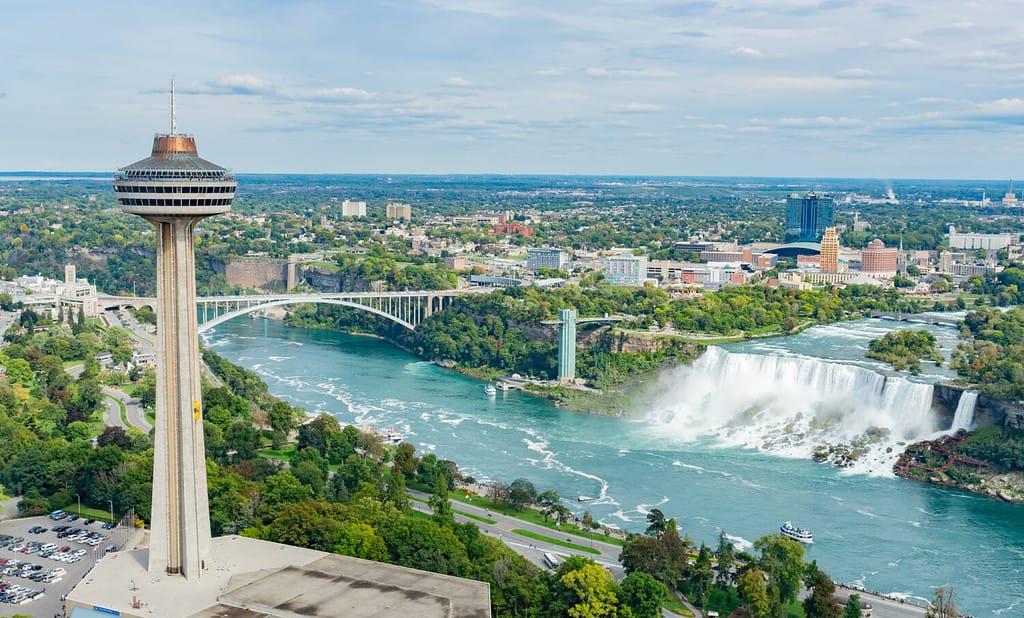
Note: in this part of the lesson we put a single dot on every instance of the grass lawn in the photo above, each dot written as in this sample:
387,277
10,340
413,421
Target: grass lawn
285,453
96,424
553,541
87,512
476,517
676,606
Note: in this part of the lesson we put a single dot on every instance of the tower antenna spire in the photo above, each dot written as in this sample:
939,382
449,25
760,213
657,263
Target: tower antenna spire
174,117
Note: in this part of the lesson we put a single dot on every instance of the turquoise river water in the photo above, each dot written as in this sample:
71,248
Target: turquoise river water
724,446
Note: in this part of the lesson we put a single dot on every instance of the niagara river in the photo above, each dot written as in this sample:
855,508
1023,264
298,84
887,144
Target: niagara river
726,445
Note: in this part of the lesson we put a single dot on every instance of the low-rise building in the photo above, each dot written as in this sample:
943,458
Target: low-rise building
73,295
545,258
626,269
988,242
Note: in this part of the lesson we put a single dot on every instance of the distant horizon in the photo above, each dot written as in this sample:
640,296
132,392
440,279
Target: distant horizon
830,89
880,179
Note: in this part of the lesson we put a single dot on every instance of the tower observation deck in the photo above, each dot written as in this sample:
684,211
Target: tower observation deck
174,189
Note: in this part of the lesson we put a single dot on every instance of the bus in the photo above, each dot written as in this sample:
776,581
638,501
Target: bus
550,560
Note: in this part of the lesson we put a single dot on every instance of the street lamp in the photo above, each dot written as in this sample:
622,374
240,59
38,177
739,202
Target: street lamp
79,504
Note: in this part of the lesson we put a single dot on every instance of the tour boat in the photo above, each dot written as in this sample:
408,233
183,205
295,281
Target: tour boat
503,386
490,390
797,534
393,436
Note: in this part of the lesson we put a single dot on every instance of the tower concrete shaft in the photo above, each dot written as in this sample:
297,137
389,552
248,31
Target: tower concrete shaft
180,536
174,189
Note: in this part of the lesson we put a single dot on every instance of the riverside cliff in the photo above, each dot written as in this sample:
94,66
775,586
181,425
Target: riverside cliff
988,460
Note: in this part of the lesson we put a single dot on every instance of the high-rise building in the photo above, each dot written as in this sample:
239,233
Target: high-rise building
946,262
174,189
807,216
830,251
398,211
353,209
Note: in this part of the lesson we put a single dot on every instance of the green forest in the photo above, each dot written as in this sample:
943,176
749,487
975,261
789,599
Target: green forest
993,354
905,349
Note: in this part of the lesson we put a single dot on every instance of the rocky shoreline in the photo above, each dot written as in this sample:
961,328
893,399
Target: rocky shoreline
939,462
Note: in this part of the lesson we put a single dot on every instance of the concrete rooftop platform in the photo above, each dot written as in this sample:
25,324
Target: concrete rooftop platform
248,578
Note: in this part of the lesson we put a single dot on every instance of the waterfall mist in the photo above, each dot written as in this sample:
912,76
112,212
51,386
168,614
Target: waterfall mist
790,406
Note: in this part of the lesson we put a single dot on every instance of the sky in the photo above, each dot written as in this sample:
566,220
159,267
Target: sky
807,88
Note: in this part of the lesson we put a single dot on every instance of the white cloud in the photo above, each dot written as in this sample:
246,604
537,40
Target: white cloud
821,121
640,108
1003,107
782,83
987,54
233,84
905,44
337,94
548,72
457,82
856,73
645,73
932,101
746,52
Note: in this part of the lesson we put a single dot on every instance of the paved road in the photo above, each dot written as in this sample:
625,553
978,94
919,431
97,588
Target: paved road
881,606
6,319
137,330
133,409
529,548
112,412
609,558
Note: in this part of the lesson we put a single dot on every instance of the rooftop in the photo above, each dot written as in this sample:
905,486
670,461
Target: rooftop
172,152
249,578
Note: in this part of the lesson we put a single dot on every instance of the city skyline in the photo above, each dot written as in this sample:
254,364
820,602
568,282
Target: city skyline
797,88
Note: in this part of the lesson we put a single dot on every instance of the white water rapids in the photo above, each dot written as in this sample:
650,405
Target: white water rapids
789,405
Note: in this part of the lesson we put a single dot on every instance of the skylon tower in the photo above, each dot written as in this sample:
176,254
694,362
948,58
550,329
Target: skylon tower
174,189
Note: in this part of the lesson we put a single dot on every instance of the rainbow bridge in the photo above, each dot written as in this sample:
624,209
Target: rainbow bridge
408,309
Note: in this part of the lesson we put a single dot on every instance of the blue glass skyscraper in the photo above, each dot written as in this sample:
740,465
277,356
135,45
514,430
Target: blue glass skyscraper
807,216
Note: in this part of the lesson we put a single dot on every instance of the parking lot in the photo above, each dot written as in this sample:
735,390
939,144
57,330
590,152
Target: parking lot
37,569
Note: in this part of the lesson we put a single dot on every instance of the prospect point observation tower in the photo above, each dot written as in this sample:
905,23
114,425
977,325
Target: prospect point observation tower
174,189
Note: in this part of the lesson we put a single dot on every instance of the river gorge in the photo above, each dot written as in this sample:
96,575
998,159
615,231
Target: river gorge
726,444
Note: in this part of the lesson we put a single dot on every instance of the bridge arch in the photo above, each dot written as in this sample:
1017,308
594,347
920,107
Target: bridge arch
224,317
